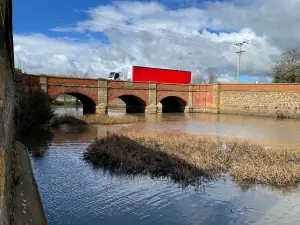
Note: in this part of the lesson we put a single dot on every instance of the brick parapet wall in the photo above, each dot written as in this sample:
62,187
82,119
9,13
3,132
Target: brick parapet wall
282,100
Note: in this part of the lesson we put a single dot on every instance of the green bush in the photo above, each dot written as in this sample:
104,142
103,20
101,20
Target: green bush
33,111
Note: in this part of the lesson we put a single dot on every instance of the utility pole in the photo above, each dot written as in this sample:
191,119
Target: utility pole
239,59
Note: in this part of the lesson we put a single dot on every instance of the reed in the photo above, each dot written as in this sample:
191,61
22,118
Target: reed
192,158
94,119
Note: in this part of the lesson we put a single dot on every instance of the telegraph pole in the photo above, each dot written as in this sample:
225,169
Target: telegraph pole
239,59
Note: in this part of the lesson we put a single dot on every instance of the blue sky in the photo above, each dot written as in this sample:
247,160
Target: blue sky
34,16
40,16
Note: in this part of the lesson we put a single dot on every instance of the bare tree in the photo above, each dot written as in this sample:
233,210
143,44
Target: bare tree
198,79
80,75
85,75
287,69
212,78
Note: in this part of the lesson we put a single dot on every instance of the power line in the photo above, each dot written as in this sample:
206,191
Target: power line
185,40
121,22
213,57
124,26
255,49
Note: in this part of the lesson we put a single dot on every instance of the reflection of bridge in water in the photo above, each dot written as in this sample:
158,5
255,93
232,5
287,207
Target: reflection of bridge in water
151,122
267,131
88,133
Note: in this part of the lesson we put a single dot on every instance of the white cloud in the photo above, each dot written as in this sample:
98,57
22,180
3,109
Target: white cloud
150,34
226,78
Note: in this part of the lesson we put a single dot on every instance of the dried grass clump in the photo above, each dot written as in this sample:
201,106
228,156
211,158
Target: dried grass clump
190,158
121,154
94,119
252,162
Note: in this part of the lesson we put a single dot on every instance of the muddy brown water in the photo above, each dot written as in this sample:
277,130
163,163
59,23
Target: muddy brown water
75,192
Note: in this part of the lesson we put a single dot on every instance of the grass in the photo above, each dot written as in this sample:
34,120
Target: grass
282,115
94,119
190,158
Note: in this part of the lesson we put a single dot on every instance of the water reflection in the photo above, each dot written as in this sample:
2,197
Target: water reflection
68,110
75,192
79,111
246,186
268,131
37,143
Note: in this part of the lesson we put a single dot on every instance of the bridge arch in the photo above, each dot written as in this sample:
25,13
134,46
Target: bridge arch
172,104
133,103
89,105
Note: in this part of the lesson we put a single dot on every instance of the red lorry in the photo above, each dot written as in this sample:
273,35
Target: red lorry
147,74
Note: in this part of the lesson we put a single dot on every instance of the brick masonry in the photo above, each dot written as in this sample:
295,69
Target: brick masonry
262,100
7,106
250,99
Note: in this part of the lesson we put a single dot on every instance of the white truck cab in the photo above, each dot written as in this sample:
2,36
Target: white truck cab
114,76
123,73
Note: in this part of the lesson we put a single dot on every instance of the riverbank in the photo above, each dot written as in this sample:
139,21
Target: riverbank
187,158
27,205
94,119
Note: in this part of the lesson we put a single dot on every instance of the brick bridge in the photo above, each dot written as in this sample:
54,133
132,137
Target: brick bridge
139,97
281,100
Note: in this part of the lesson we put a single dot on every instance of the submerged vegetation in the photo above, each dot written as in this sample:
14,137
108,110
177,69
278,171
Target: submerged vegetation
190,159
94,119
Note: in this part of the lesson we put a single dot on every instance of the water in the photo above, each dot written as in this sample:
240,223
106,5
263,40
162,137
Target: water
75,192
68,110
79,110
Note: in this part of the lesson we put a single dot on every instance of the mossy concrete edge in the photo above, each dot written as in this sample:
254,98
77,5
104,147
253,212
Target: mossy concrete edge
27,205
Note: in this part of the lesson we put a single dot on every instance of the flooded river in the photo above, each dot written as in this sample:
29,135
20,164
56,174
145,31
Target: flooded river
75,192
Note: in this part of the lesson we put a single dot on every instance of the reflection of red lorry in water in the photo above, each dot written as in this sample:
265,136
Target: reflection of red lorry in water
147,74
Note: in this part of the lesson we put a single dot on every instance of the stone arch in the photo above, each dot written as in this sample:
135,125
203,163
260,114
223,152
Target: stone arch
172,104
133,103
89,105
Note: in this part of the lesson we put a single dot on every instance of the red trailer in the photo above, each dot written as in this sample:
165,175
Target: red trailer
148,74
